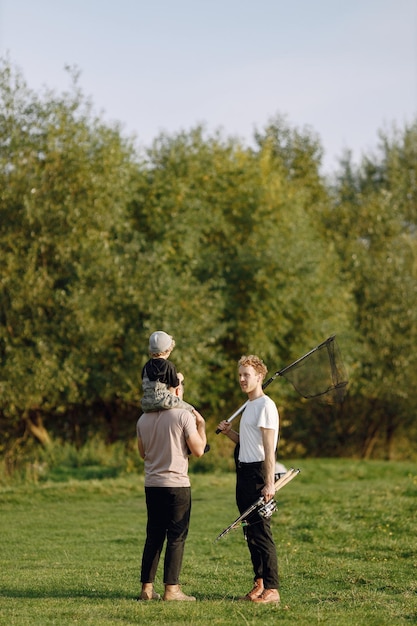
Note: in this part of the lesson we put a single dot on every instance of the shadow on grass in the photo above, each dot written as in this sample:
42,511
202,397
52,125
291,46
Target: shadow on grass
98,594
69,594
63,593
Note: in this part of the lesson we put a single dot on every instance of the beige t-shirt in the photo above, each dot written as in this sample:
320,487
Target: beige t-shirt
164,435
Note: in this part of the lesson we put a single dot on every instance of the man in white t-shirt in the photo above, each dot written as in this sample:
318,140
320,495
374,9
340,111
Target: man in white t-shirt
165,439
255,475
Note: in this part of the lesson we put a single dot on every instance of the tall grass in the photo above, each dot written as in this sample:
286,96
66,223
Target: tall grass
62,461
345,534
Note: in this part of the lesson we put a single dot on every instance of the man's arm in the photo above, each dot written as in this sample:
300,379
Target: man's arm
141,448
140,443
198,440
268,438
225,428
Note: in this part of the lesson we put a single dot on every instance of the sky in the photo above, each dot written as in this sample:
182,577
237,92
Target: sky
344,69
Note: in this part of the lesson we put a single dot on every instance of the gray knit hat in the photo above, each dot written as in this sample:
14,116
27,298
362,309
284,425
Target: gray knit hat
159,342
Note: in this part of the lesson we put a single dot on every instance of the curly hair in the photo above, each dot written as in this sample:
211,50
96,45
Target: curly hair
257,364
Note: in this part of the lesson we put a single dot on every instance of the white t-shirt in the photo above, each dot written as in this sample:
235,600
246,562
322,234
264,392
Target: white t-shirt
259,413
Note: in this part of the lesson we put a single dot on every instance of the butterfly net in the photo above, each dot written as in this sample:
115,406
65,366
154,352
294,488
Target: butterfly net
319,374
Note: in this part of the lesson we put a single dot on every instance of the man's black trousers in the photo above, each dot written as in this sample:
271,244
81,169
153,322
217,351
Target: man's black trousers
169,510
249,483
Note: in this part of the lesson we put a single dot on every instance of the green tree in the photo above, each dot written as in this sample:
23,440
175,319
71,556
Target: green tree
374,221
240,229
67,253
179,208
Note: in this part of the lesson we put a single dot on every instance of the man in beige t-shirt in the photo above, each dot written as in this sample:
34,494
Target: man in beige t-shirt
165,438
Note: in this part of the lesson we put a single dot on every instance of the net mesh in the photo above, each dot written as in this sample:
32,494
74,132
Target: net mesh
320,374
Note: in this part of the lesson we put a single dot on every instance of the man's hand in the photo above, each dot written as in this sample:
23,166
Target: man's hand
199,419
268,491
225,427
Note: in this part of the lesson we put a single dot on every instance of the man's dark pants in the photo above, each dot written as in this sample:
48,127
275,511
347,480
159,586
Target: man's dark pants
249,483
169,510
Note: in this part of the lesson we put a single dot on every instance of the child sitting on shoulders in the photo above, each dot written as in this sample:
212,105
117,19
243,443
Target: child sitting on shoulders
159,374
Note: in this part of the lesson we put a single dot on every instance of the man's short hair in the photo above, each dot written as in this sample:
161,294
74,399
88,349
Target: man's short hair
257,364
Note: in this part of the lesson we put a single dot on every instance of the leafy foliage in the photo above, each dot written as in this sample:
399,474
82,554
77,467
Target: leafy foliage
374,225
228,248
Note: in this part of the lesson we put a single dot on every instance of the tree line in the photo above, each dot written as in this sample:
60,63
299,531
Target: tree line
231,249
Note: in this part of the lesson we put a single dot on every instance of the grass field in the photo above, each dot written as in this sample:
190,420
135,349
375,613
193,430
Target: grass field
346,535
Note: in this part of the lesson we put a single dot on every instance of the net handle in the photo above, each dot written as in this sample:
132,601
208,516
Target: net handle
279,373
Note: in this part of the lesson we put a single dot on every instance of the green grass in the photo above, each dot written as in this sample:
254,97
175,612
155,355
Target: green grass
346,536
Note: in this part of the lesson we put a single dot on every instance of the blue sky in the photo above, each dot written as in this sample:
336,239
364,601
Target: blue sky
344,68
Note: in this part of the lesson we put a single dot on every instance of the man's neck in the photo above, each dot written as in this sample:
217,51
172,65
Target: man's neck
255,394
